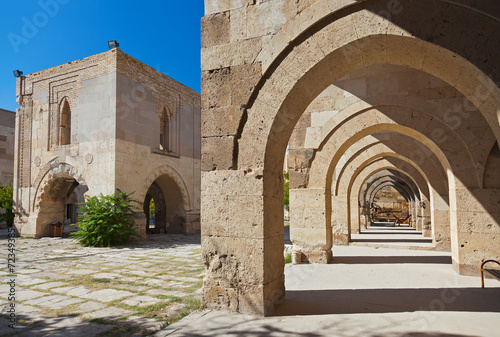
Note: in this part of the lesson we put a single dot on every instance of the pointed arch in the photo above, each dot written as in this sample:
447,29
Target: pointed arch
64,122
169,132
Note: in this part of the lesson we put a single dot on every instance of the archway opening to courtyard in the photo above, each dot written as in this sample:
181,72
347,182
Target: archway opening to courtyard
59,205
164,207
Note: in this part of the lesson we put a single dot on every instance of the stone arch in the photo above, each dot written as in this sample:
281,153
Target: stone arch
379,165
175,176
383,150
366,187
402,189
52,170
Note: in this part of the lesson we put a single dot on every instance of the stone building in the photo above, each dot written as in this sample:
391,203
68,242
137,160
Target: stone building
7,130
365,94
104,123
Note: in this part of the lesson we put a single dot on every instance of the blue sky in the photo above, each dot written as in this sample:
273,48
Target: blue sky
39,34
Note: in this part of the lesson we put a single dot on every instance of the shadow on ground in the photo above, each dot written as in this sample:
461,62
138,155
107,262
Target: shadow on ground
391,259
327,302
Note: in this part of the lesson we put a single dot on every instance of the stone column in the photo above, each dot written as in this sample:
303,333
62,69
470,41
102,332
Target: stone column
340,229
238,227
192,223
310,231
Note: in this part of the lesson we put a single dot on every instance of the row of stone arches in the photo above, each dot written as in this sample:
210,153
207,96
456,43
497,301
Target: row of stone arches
426,104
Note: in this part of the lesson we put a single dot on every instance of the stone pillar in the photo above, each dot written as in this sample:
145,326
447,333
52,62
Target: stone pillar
441,223
340,228
426,219
310,231
192,223
476,235
355,210
242,243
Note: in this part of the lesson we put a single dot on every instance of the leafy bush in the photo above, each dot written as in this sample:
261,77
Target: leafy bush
6,202
106,220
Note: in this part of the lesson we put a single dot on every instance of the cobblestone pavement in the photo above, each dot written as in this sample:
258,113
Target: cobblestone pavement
63,289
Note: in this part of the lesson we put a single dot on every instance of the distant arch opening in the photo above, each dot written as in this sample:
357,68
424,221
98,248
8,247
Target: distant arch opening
164,207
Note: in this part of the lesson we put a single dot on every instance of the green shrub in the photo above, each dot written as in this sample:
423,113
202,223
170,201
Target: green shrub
288,258
6,202
106,220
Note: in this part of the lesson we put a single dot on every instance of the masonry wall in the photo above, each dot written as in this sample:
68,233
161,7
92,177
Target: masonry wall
7,128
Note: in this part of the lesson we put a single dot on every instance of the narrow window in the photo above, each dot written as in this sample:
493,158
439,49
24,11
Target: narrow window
65,124
169,132
164,130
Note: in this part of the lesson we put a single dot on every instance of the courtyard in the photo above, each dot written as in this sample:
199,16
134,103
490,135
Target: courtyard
389,282
64,289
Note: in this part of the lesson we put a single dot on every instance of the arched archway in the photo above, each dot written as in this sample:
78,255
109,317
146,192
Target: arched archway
321,49
59,190
167,189
168,215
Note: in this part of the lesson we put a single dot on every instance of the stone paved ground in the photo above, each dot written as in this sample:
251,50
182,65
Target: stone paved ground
63,289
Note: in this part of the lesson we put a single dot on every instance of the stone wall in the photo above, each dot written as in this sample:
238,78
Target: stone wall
7,130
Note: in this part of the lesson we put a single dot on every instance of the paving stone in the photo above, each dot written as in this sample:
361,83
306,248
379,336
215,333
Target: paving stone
83,330
107,295
89,306
28,271
79,291
110,313
144,323
137,272
81,272
141,301
26,280
63,290
48,286
185,279
54,301
172,293
154,282
27,294
108,276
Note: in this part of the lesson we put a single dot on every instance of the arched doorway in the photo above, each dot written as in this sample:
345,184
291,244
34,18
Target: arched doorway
164,207
59,204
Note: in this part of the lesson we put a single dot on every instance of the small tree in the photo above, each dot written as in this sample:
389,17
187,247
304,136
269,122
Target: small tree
6,202
106,220
286,190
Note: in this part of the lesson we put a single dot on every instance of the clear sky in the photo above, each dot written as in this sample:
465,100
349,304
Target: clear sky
39,34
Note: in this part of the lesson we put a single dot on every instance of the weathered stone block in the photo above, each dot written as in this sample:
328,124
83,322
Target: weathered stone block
212,158
215,29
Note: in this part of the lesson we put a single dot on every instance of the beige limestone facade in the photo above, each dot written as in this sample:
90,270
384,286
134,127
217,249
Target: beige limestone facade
103,123
365,94
7,131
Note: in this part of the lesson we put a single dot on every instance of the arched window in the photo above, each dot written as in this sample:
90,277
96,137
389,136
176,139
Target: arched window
65,123
169,141
164,130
